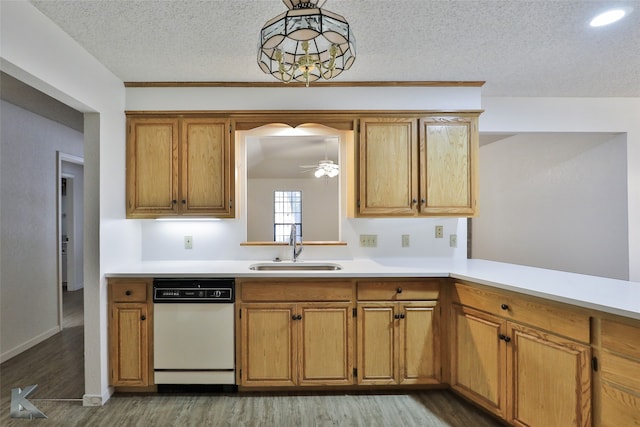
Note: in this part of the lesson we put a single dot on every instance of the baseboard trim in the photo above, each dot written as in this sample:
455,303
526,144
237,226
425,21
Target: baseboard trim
28,344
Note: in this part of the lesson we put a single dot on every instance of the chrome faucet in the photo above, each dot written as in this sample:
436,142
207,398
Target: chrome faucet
293,242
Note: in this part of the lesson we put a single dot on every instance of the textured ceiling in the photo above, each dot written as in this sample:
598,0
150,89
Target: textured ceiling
519,47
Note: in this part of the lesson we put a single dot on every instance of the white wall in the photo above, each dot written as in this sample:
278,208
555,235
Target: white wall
606,115
28,221
555,201
40,54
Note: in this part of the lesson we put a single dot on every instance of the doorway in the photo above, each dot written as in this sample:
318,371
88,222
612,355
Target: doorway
70,218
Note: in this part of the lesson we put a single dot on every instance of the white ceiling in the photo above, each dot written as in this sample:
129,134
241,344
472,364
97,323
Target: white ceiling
519,47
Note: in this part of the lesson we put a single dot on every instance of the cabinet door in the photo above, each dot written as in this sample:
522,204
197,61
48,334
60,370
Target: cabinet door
326,337
152,167
377,353
206,178
268,344
388,167
129,348
448,165
419,342
551,379
478,358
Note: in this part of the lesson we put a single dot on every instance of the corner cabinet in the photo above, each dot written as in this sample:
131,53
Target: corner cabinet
418,166
130,332
524,360
179,167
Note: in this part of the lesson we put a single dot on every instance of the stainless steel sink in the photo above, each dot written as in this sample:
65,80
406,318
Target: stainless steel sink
295,266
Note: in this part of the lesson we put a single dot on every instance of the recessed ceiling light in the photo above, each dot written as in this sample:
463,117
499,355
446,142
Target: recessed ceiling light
608,17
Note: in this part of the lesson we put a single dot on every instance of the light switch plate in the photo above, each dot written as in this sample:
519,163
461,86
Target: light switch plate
368,240
188,242
439,232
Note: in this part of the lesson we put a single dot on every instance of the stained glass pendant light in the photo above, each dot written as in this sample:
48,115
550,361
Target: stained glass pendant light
306,43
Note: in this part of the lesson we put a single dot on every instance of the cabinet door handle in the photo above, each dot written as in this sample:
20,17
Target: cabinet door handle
143,317
423,201
504,306
184,202
127,292
174,201
402,315
399,290
297,317
396,316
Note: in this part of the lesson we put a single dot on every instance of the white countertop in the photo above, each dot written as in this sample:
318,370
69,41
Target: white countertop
613,296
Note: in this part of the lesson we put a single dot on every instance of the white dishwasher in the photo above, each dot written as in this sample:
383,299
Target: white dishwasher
193,331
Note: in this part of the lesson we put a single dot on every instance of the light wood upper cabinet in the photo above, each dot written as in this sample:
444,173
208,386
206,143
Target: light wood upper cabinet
418,166
152,167
448,159
179,166
388,167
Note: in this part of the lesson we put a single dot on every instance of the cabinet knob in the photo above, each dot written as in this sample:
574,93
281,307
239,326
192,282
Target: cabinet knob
504,306
423,201
127,292
399,290
297,317
174,201
414,201
184,202
504,338
396,316
143,317
402,315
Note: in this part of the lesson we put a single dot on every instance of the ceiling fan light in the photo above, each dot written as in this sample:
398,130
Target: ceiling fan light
319,173
608,17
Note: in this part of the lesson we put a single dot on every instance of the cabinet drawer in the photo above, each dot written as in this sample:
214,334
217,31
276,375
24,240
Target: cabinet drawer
128,290
298,290
621,338
523,309
620,370
619,408
400,290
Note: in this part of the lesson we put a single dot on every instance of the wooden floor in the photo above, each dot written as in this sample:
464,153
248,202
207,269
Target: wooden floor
57,366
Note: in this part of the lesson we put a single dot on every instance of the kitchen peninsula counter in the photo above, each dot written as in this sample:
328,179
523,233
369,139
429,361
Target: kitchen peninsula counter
618,297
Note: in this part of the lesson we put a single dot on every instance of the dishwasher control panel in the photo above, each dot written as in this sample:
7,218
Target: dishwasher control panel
193,290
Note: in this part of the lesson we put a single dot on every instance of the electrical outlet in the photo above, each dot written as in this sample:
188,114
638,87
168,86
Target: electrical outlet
368,240
439,232
188,242
405,241
453,240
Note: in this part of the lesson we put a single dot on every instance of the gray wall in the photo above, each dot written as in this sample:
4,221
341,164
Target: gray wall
28,218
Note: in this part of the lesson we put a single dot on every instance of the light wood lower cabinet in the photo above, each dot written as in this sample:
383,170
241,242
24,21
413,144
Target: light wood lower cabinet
617,391
398,343
297,344
130,333
296,332
525,374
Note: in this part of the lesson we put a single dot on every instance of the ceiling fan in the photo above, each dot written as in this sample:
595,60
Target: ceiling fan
324,167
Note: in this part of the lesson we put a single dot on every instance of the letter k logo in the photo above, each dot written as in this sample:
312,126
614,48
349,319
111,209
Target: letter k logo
21,407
